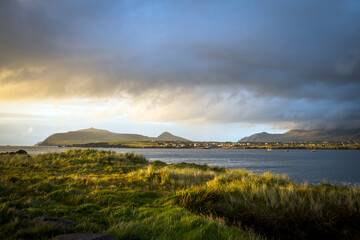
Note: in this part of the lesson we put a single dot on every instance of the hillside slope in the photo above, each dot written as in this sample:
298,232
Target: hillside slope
335,135
166,136
93,135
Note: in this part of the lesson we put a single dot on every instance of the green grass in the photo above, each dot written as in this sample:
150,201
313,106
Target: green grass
277,207
137,144
122,194
131,198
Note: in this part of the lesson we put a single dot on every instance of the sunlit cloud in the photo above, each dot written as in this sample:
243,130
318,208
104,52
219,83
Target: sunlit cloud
188,65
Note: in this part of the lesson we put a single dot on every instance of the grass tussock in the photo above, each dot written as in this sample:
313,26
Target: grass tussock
277,207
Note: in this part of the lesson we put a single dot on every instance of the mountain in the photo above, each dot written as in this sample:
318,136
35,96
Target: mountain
333,135
93,135
166,136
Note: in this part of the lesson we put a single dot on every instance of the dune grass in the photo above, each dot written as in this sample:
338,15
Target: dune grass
277,207
132,198
121,194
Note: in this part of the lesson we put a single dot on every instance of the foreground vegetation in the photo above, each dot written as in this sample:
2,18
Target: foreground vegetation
131,198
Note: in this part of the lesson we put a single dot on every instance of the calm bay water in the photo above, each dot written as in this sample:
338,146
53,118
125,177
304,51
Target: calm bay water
337,166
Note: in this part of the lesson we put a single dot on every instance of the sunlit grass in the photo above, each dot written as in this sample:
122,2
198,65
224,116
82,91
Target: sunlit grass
132,198
122,194
278,207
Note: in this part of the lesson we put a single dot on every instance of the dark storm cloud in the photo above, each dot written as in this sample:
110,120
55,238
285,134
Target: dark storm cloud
301,56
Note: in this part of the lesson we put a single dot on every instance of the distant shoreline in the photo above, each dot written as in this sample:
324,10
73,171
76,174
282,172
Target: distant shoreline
269,147
221,145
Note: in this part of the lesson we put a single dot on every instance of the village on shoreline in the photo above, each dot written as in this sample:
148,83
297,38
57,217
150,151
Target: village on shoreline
349,145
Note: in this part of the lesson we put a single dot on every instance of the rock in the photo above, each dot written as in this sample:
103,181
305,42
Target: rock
21,152
85,236
65,223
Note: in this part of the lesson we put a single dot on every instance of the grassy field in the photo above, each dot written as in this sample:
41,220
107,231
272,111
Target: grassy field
131,198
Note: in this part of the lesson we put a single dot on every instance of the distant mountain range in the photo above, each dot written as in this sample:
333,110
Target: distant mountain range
93,135
335,135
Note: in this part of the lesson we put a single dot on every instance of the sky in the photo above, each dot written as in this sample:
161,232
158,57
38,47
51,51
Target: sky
203,70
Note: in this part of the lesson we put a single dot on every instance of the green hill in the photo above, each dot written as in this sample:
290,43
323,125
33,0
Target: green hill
166,136
334,135
93,135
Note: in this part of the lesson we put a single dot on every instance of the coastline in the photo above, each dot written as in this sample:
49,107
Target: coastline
130,197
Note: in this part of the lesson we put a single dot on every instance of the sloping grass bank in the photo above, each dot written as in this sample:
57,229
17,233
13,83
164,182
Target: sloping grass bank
127,196
277,207
104,192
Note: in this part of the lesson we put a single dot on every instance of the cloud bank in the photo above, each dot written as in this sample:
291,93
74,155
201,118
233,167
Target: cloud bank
289,64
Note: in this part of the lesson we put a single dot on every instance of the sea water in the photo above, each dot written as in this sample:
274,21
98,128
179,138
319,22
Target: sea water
336,166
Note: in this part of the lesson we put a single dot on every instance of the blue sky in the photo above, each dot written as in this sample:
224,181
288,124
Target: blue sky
204,70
